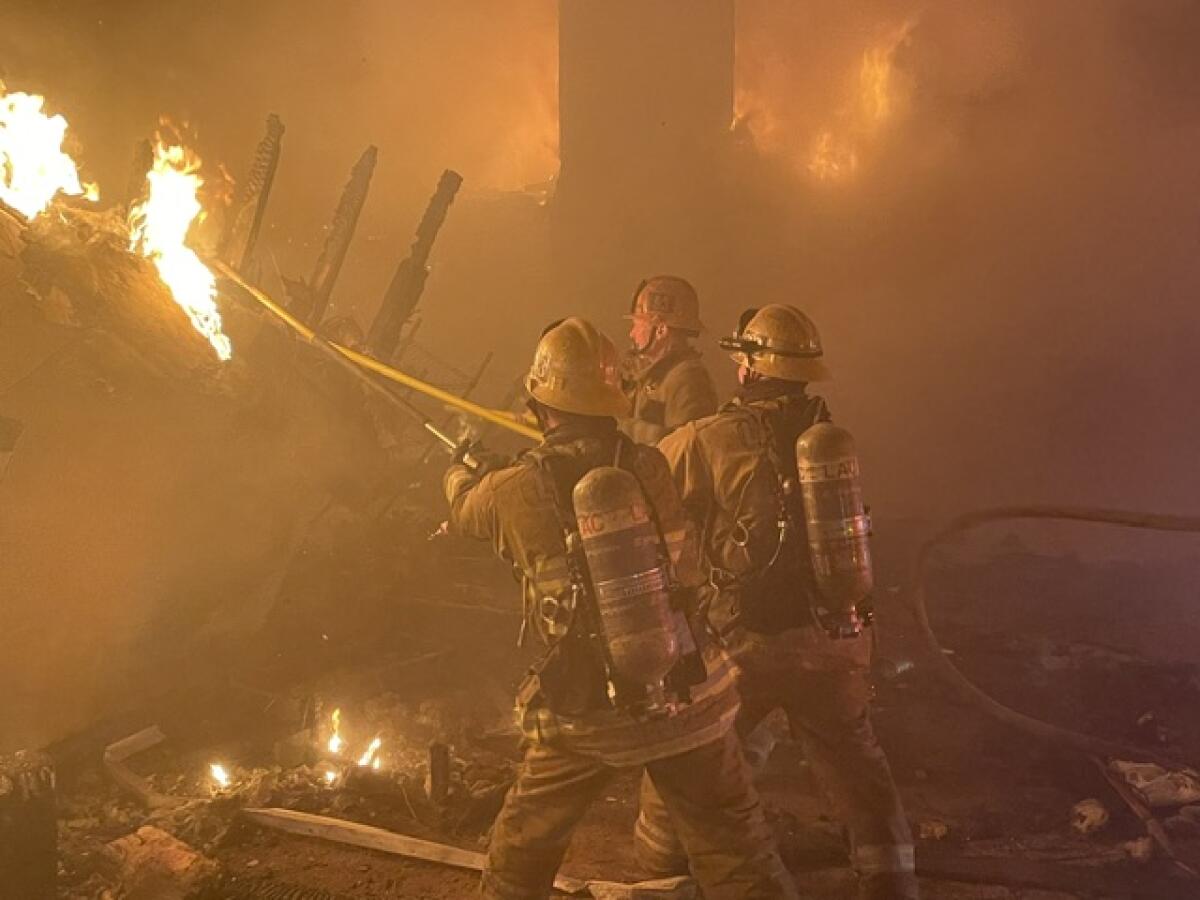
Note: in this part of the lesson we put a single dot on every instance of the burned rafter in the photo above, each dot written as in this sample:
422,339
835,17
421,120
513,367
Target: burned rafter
246,217
309,300
407,284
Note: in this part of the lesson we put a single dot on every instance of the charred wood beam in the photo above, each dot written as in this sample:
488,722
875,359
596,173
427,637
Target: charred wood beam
28,830
309,300
341,232
246,218
115,756
407,284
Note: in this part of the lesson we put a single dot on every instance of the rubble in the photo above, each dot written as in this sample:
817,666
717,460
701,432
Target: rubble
1088,816
681,888
152,865
1157,786
1140,850
932,830
28,841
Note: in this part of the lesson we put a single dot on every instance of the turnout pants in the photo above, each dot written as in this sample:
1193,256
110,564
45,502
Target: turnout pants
822,684
706,792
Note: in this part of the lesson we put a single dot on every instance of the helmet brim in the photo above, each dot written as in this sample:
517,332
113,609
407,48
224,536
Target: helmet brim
785,368
603,400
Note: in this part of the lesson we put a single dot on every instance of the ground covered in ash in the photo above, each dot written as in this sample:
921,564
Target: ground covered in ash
435,663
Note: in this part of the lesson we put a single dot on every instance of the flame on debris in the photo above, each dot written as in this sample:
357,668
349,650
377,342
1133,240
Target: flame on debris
369,757
220,776
874,96
33,167
330,776
335,740
158,230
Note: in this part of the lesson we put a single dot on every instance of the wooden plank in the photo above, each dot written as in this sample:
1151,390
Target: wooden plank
356,835
114,763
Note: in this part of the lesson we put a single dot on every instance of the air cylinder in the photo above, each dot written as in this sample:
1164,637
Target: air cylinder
629,574
837,523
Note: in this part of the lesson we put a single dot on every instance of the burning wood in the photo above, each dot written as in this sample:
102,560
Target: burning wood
81,273
310,299
159,230
220,775
335,739
408,283
34,169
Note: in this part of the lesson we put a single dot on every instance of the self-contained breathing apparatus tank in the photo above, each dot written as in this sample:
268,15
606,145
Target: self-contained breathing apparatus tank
644,637
838,526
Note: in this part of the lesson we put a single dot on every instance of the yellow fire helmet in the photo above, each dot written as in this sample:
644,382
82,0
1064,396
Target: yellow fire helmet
781,342
668,299
575,370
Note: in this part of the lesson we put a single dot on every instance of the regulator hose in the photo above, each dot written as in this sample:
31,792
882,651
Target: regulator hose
1045,731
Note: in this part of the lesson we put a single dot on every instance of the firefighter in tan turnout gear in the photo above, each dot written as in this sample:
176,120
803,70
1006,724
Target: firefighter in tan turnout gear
798,646
593,524
664,376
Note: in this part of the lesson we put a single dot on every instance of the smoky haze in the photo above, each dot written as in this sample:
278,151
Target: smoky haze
1006,281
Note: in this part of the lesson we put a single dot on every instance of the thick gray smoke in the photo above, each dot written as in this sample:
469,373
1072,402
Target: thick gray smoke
1007,281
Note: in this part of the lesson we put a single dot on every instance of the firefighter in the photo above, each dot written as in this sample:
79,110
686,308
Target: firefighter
732,471
576,735
664,375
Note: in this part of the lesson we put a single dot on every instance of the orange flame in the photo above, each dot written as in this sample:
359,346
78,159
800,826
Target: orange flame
335,740
370,757
836,150
33,167
158,230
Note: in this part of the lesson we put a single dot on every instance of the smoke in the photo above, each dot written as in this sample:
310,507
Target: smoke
1007,282
1005,276
463,85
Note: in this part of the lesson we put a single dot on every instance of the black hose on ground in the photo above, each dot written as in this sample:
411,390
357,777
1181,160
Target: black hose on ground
1045,731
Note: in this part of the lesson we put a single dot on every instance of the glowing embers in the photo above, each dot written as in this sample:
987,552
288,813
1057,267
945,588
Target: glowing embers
336,744
370,756
158,230
33,167
335,738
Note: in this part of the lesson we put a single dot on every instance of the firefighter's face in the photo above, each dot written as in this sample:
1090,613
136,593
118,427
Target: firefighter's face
642,332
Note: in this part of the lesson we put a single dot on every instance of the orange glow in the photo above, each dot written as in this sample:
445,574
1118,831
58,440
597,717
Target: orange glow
369,757
33,167
834,150
158,230
335,739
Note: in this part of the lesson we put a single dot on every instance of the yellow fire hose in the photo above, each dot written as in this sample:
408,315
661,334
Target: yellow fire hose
369,363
